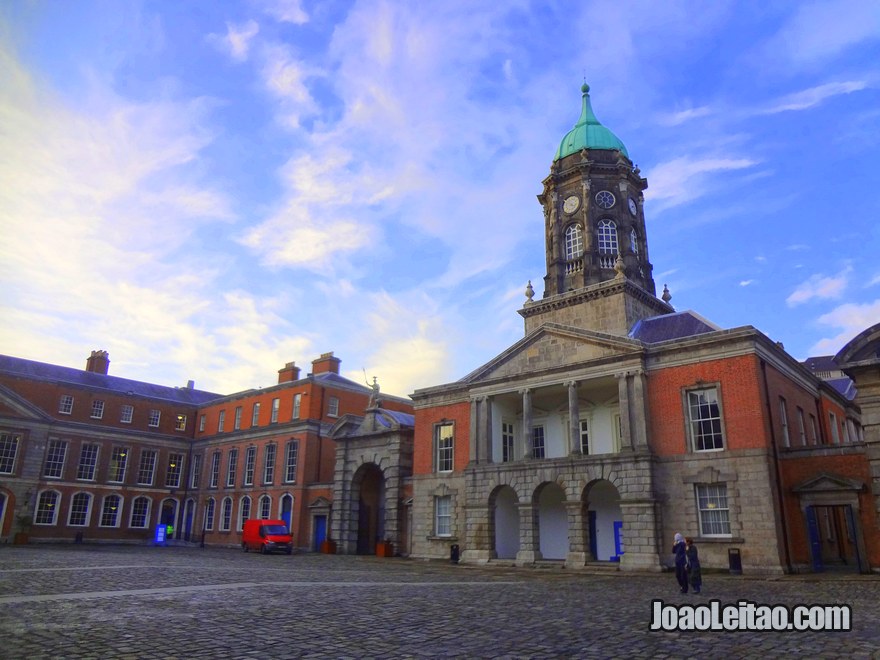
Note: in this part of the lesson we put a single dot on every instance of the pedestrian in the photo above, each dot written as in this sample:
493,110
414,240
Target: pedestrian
695,576
679,551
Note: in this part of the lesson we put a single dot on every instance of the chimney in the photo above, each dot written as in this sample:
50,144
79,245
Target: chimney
289,373
98,362
326,363
190,384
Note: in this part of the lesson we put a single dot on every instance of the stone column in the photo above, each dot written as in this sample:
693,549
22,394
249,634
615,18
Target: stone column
574,424
527,424
486,430
639,411
529,541
477,542
578,552
474,430
626,440
640,542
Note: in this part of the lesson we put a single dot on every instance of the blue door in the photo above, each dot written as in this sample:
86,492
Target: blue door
320,531
286,505
618,540
815,540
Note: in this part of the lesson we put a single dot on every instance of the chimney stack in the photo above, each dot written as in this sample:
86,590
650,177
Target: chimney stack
326,363
98,362
289,373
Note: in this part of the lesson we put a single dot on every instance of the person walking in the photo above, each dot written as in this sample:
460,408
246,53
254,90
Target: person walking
679,551
695,575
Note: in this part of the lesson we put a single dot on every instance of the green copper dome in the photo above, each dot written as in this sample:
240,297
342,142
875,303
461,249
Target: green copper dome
588,133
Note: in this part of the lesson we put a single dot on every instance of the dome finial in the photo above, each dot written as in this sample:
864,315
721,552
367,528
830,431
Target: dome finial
585,88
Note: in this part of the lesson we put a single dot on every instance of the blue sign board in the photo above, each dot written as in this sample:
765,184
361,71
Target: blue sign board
160,533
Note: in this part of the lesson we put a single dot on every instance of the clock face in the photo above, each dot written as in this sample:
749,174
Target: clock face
571,204
632,206
604,199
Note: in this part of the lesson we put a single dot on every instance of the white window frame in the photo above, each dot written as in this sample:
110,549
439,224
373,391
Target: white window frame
236,423
107,512
244,511
155,418
574,242
291,459
276,406
270,452
53,468
265,507
46,511
584,436
333,407
88,461
195,471
231,467
118,455
174,470
606,239
508,441
221,421
97,409
135,512
443,515
634,241
9,444
783,421
202,421
180,422
444,447
713,510
86,513
835,430
250,465
226,515
215,470
210,512
255,416
711,426
126,413
297,404
814,430
147,466
65,404
539,450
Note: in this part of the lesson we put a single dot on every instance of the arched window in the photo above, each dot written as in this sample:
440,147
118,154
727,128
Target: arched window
80,506
265,507
244,511
47,508
226,515
209,514
140,512
607,243
111,511
634,241
574,242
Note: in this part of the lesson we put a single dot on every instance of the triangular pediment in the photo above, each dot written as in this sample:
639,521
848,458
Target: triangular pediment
827,482
554,346
12,405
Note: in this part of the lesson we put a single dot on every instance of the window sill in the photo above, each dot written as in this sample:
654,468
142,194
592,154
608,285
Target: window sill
719,539
442,538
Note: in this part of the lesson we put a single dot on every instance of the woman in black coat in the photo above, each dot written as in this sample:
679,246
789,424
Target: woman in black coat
679,550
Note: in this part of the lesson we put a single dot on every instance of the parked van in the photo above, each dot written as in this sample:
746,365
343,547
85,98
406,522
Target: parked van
266,536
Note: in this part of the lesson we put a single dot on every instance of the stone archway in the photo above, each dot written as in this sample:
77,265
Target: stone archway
604,528
369,507
504,505
552,521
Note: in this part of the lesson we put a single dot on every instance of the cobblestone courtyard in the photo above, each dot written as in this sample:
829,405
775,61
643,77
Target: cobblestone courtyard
146,602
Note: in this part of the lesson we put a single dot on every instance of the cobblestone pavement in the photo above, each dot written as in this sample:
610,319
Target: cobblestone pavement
149,602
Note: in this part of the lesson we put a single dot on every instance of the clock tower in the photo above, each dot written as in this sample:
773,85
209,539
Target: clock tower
594,230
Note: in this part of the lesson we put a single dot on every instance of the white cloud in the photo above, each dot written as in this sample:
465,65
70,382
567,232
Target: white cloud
682,180
286,11
874,280
285,77
813,96
746,282
821,287
683,116
237,39
850,319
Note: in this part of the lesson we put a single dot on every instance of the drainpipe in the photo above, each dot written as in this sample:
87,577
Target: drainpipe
779,490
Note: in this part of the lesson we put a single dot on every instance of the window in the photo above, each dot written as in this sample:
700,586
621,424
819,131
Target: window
607,237
835,432
8,451
65,405
196,475
444,446
276,405
231,466
202,422
88,459
47,508
175,469
126,414
713,511
538,448
79,510
297,403
443,515
704,414
55,456
507,442
634,241
783,420
226,515
236,423
244,511
250,463
110,511
180,422
97,409
209,514
290,461
574,242
221,421
215,470
585,436
140,512
269,464
255,417
147,467
333,407
155,416
118,461
802,431
265,507
814,431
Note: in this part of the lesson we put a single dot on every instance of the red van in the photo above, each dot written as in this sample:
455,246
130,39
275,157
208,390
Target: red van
266,536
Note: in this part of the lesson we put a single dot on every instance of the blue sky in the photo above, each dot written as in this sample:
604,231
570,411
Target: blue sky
210,190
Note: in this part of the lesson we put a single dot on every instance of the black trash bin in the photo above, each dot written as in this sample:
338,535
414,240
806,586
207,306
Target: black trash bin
734,560
78,538
454,553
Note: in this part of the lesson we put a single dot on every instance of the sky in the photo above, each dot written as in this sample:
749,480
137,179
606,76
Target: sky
209,190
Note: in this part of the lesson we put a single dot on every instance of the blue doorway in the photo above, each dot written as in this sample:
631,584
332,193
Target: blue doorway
320,531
